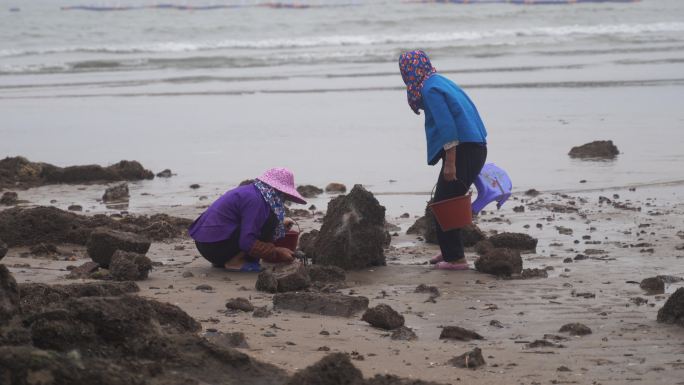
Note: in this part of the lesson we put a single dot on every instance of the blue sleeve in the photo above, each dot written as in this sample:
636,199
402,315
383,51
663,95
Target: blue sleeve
253,216
436,102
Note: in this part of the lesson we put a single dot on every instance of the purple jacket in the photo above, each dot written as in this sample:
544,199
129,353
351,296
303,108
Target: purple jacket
240,208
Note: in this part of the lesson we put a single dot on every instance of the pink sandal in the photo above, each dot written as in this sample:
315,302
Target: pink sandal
452,266
436,259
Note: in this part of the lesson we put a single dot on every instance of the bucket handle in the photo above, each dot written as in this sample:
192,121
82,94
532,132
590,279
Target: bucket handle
432,193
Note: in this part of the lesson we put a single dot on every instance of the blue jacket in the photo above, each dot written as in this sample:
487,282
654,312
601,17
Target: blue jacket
450,115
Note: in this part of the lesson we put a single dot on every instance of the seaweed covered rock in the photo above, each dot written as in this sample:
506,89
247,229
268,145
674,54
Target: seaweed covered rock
283,278
103,243
673,310
425,226
116,193
599,149
339,305
383,317
517,241
9,295
352,235
3,249
500,262
333,369
29,226
127,266
19,171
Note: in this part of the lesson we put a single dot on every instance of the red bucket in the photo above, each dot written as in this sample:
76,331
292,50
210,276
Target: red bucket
289,241
454,213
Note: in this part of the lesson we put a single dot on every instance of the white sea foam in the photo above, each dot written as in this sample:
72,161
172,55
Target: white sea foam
566,31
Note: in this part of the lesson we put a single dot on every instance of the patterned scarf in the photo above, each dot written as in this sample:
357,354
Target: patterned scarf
415,69
275,201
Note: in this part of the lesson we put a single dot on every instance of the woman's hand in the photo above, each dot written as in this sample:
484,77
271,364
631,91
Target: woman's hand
284,254
449,172
288,222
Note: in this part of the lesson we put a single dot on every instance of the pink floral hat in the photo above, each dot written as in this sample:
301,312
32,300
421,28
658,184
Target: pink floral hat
282,180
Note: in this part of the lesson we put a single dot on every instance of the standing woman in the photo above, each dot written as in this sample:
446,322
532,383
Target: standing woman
238,230
454,133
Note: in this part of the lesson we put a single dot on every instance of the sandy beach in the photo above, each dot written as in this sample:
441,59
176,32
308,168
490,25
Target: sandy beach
622,246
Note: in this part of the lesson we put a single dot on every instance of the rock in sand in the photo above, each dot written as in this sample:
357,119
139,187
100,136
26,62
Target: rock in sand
333,369
653,285
166,173
673,310
384,317
9,198
128,266
283,278
352,235
309,191
335,188
3,249
469,360
239,303
104,242
516,241
117,193
458,333
9,296
575,329
600,149
500,262
403,333
321,303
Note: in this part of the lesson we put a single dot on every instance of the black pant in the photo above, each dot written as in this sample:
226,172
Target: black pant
470,157
218,253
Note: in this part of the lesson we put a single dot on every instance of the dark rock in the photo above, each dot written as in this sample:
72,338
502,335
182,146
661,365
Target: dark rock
326,274
36,297
9,198
653,285
239,303
534,273
333,369
403,333
335,188
423,288
352,235
75,208
425,226
458,333
543,344
157,227
9,296
283,278
194,186
471,235
673,310
383,317
309,191
575,329
19,171
104,242
44,249
468,360
517,241
307,241
600,149
128,266
483,247
166,173
532,193
83,271
519,209
204,287
500,262
496,324
321,303
3,249
117,193
261,312
227,340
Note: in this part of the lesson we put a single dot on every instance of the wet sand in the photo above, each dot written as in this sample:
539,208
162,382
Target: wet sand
627,344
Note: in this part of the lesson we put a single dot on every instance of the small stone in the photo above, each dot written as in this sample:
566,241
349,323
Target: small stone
500,262
117,193
309,191
194,186
75,208
261,312
321,303
384,317
458,333
335,188
128,266
653,285
166,173
187,274
563,369
470,360
403,333
104,242
240,303
496,324
204,287
575,329
534,273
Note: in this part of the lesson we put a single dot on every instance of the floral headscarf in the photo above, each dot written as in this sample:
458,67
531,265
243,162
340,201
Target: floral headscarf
415,69
275,201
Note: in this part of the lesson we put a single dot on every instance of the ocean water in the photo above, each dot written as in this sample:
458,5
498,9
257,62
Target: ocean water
220,94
